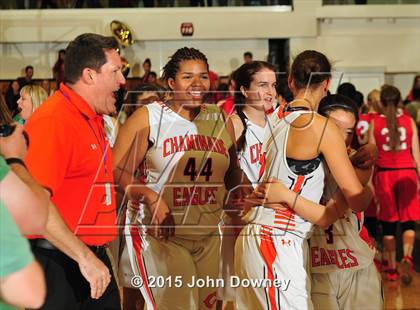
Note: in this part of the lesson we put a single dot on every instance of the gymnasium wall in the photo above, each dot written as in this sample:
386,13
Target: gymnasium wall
383,40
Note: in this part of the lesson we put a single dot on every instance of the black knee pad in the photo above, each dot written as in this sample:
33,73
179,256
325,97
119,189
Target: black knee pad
407,226
389,228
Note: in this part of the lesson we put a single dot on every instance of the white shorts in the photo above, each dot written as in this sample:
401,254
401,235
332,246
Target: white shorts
167,270
348,289
125,272
277,264
227,263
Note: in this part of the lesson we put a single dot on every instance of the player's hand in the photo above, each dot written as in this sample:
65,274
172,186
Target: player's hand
166,229
272,191
162,219
236,205
340,206
96,273
365,156
13,145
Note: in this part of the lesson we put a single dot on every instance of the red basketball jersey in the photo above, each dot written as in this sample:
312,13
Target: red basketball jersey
401,158
362,127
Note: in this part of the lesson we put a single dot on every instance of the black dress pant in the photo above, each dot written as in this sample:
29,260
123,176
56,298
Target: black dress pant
66,286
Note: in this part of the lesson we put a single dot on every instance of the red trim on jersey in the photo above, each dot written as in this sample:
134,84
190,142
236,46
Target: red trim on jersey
280,112
298,185
286,218
138,247
269,253
164,106
262,165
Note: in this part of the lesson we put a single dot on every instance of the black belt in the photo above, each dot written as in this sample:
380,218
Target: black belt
46,245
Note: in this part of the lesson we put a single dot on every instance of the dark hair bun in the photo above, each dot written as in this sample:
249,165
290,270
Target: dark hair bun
310,68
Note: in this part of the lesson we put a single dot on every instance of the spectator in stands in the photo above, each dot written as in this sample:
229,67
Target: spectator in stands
141,95
416,85
152,78
212,95
129,3
413,108
49,4
27,79
31,97
248,57
201,2
58,69
89,3
20,4
5,115
222,91
147,66
227,104
46,85
121,93
166,3
279,2
12,96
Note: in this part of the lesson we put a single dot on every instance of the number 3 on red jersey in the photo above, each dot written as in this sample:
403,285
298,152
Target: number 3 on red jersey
362,132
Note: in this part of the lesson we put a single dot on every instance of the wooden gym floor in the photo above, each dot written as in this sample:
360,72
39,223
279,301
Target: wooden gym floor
398,296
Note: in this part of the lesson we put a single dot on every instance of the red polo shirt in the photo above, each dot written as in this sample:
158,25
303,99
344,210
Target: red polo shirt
71,157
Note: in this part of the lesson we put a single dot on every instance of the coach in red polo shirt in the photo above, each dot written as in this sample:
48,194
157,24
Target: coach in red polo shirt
70,156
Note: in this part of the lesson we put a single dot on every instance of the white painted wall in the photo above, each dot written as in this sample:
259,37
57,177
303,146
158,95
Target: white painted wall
361,38
223,55
393,44
403,81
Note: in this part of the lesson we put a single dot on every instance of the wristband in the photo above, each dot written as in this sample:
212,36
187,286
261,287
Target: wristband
15,160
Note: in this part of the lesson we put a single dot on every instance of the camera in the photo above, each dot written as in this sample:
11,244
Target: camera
7,130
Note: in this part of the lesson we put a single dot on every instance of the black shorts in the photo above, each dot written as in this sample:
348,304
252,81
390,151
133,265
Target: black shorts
371,224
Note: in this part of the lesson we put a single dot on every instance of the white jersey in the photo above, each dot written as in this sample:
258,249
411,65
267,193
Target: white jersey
340,246
186,165
310,185
249,156
249,159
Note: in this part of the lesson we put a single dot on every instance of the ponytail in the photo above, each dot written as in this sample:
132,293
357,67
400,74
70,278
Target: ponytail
390,98
392,124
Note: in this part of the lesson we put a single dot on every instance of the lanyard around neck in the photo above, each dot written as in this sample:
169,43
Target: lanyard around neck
102,144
